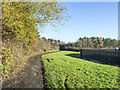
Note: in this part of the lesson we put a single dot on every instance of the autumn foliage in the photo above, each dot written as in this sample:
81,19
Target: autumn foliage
20,35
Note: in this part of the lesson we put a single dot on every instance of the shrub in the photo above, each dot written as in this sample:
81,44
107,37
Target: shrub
5,61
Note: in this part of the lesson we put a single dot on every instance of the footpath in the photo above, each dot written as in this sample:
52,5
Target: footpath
31,76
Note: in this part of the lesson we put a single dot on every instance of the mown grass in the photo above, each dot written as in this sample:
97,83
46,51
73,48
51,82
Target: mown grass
66,70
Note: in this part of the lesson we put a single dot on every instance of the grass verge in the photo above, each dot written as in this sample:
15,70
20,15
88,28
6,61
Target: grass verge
65,69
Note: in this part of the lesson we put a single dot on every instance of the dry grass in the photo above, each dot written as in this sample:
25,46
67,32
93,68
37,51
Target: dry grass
20,57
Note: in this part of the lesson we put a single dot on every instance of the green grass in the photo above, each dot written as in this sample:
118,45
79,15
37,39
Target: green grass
66,70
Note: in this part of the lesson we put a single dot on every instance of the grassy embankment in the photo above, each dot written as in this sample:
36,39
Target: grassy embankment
66,70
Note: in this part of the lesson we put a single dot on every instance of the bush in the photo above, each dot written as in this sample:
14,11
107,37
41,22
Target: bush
6,61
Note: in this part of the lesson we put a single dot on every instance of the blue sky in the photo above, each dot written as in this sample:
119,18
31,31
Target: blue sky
99,19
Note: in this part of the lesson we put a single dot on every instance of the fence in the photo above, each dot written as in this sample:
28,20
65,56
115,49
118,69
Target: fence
103,56
63,49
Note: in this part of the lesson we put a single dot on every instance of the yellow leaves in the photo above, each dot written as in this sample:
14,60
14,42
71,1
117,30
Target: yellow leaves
73,75
52,71
20,18
101,42
100,39
3,48
6,57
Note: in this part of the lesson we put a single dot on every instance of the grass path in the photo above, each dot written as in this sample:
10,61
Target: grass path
66,70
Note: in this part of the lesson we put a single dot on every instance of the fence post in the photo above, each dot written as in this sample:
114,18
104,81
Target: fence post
115,62
80,53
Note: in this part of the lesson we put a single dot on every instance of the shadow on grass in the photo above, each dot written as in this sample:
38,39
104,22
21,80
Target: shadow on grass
78,57
91,60
74,55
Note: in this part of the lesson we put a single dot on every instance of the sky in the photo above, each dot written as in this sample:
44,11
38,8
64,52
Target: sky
99,19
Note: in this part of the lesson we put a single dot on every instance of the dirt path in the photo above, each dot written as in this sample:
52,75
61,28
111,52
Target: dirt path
31,77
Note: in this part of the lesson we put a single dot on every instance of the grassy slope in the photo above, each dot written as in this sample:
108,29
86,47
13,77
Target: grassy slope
65,69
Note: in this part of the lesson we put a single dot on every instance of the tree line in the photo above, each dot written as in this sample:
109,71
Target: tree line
48,45
92,42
